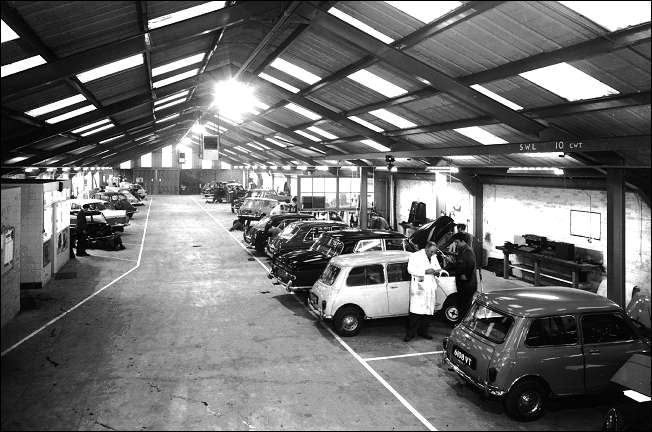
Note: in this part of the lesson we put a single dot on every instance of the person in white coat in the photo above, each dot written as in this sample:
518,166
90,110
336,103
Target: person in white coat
423,266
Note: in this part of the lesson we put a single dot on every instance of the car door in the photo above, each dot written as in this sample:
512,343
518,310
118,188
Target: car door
367,289
368,245
398,288
608,341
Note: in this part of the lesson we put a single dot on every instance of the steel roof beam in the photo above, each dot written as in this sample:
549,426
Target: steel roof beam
143,17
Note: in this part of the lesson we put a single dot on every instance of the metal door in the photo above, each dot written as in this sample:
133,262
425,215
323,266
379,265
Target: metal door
168,181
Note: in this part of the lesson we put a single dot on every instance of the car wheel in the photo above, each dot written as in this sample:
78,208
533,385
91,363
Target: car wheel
526,399
613,421
450,311
348,321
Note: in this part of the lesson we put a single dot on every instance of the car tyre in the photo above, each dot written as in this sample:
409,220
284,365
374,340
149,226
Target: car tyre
348,321
526,400
450,311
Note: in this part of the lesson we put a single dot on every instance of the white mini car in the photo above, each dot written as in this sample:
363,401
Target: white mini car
369,285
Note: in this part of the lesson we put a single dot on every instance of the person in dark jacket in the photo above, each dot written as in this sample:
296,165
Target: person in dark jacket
464,268
81,233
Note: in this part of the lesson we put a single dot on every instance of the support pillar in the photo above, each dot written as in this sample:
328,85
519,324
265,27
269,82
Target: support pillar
299,197
392,202
362,218
616,235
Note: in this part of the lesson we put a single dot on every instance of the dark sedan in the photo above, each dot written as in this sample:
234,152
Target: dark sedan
257,234
300,235
99,233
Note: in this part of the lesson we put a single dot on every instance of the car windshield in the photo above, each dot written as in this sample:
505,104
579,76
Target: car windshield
95,206
328,245
290,230
96,218
254,203
488,323
330,274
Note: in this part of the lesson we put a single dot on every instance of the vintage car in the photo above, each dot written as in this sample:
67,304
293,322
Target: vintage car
119,201
437,231
299,269
257,234
257,193
255,208
300,235
116,218
527,344
136,189
363,286
99,233
133,199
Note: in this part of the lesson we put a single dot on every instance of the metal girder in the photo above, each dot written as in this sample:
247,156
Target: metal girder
574,146
143,17
286,152
417,68
551,182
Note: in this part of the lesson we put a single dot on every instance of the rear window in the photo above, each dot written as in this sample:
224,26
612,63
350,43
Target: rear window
396,244
330,274
488,323
366,275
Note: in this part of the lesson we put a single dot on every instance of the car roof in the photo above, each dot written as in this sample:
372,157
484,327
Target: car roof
311,223
357,234
367,258
546,301
84,201
290,216
260,198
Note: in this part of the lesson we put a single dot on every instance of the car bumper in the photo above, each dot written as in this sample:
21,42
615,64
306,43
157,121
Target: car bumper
482,386
313,304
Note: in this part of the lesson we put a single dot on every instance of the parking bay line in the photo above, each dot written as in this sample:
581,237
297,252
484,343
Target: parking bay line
402,355
355,355
58,317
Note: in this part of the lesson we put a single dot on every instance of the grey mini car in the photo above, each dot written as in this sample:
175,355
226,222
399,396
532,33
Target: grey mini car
525,345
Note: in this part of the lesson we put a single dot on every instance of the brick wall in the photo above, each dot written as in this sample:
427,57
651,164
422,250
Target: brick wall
10,288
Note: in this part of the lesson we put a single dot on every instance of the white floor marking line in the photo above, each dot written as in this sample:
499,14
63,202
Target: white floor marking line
402,355
58,317
355,355
110,257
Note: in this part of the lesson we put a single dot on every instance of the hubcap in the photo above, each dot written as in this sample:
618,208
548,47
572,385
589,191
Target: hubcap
349,323
452,313
529,402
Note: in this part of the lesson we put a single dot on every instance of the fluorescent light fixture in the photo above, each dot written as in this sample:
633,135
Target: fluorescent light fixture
366,124
360,25
568,82
178,64
170,117
111,139
535,170
376,83
446,169
638,397
543,155
101,128
317,150
304,112
307,135
278,143
71,114
480,135
175,78
278,82
425,11
295,71
392,118
460,157
612,15
322,132
6,33
167,105
184,14
21,65
496,97
91,126
182,94
374,144
111,68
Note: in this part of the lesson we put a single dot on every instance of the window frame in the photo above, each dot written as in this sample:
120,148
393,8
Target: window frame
401,263
356,248
348,275
625,318
533,319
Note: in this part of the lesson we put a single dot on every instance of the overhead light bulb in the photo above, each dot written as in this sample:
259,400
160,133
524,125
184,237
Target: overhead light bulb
233,98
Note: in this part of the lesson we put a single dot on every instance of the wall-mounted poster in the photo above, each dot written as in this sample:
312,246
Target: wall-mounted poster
47,222
46,252
62,241
8,236
586,224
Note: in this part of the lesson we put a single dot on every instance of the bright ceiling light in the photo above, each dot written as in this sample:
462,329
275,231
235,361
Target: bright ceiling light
182,94
175,78
303,111
21,65
568,82
242,149
392,118
480,135
16,159
295,71
612,15
322,132
168,105
374,144
366,124
460,157
184,14
425,11
447,169
496,97
198,128
170,117
71,114
376,83
178,64
535,170
233,98
111,68
111,139
307,135
254,146
278,82
91,126
278,143
99,129
543,155
261,105
6,33
360,25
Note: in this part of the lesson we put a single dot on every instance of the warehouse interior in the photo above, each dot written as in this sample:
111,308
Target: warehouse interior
527,122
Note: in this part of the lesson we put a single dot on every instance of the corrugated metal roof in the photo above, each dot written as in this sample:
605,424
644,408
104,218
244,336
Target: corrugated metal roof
442,108
609,123
381,17
120,86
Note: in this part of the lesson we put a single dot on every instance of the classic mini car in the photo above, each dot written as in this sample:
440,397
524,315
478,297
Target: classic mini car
255,208
299,235
116,218
119,201
363,286
300,269
527,344
99,233
257,234
257,193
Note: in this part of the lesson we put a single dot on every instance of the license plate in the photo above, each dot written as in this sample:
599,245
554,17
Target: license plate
463,357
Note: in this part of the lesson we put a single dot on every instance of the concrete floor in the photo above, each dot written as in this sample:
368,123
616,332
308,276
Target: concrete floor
194,336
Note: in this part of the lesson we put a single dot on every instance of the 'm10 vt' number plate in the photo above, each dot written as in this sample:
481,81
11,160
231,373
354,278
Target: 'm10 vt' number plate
464,358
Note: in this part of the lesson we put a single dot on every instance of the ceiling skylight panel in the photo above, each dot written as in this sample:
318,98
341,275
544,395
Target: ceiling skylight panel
54,106
99,129
392,118
167,105
164,119
242,149
612,15
111,139
71,114
21,65
360,25
496,97
376,83
568,82
307,135
480,135
304,112
6,32
425,11
295,71
322,132
460,157
178,64
254,146
366,124
260,104
278,82
374,144
185,14
111,68
172,97
278,143
91,126
175,78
